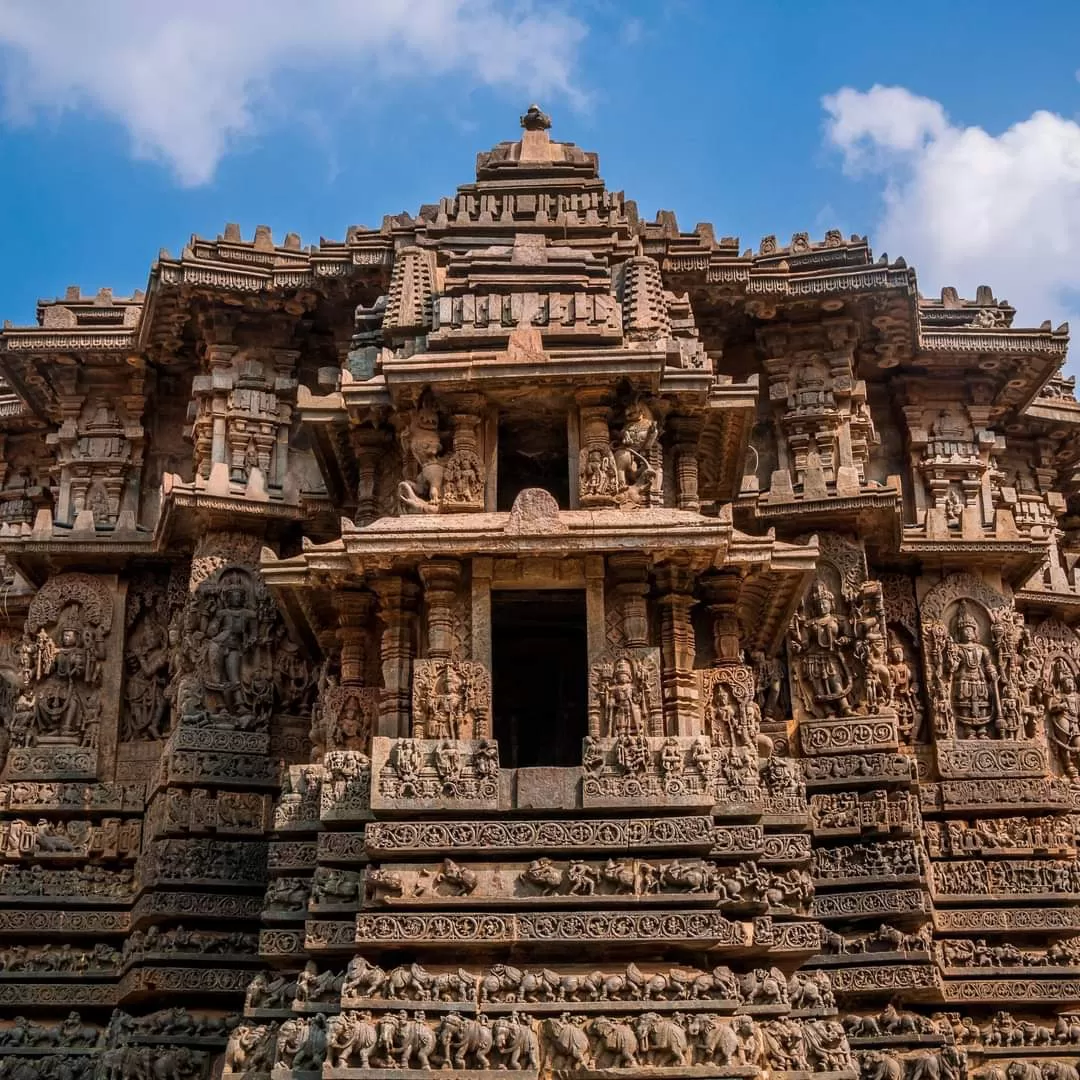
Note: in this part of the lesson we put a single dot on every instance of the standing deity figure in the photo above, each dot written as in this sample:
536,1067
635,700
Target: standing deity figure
231,634
448,706
905,694
818,642
1063,712
624,704
974,679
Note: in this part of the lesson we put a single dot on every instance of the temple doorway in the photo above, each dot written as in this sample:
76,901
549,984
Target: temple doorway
540,676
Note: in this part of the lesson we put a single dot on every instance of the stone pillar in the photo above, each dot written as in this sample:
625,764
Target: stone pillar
482,570
354,613
675,585
595,622
595,438
630,573
721,593
686,431
397,609
441,578
370,449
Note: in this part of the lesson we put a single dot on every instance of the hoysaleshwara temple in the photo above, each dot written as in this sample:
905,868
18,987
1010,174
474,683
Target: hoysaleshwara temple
524,640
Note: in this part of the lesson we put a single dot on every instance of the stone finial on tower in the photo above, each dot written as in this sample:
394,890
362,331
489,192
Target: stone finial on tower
535,119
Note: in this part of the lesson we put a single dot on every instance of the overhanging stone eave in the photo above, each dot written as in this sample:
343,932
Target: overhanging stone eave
646,366
578,532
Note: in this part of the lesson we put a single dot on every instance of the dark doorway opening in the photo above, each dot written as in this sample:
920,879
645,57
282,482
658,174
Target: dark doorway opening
532,453
540,678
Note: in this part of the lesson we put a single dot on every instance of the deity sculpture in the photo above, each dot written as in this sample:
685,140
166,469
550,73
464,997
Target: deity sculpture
231,634
1063,713
973,679
451,699
905,694
624,712
818,642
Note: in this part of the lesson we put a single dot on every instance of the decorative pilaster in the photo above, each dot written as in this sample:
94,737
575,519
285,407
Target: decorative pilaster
630,573
397,609
597,480
686,431
441,579
675,598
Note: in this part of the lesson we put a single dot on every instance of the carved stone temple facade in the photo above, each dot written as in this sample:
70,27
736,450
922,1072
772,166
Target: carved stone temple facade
523,639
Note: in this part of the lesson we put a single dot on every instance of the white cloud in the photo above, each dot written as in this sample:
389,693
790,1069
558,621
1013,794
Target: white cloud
187,79
967,207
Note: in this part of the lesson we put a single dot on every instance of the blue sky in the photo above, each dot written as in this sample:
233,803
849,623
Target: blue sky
125,127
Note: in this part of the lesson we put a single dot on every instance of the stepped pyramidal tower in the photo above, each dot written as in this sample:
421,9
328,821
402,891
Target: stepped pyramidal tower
525,640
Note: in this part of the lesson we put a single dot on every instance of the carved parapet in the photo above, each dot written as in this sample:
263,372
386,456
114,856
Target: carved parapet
994,990
70,841
214,769
849,734
182,811
887,980
581,1042
85,886
886,862
334,891
293,856
21,924
693,834
999,880
783,848
221,740
870,904
857,770
153,906
854,813
330,935
343,848
203,862
639,771
502,989
26,797
278,943
739,841
702,929
426,774
545,882
52,763
184,981
1000,795
973,759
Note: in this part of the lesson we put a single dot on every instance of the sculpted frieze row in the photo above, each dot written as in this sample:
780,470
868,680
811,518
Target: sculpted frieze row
497,837
109,838
587,882
521,1044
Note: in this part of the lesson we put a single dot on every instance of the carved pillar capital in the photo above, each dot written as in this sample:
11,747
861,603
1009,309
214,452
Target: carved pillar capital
442,579
630,574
